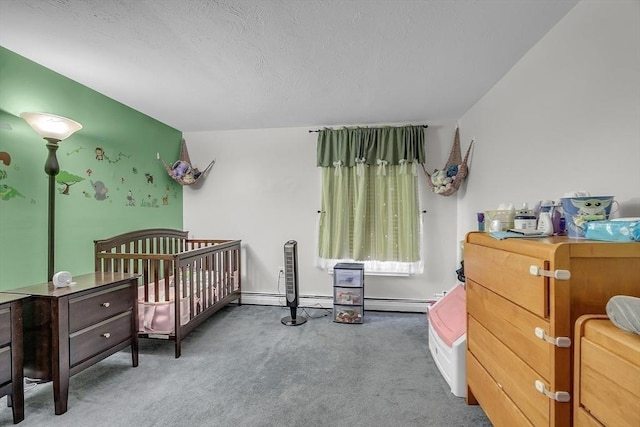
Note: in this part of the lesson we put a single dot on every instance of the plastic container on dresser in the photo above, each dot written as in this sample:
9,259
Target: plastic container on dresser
523,299
348,292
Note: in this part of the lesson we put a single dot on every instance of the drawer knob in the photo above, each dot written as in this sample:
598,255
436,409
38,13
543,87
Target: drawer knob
534,270
106,335
559,396
558,342
106,304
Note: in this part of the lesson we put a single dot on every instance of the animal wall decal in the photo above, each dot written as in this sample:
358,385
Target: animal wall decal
7,192
102,155
130,200
5,158
100,190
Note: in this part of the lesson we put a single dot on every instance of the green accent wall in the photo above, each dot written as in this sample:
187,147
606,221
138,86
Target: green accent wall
110,179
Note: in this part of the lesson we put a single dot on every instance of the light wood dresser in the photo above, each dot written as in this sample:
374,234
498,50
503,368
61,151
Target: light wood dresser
607,374
68,329
523,299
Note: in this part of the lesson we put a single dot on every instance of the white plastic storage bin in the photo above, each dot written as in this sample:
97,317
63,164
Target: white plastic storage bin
448,338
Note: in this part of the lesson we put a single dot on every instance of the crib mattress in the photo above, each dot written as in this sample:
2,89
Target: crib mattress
156,315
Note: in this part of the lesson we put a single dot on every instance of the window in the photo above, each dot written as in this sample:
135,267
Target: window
370,208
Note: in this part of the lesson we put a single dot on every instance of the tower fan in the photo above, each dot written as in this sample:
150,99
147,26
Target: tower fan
291,283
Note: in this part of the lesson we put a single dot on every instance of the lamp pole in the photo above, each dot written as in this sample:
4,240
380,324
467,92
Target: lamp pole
51,168
53,129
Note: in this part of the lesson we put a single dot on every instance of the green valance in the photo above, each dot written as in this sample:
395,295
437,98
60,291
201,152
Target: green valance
350,146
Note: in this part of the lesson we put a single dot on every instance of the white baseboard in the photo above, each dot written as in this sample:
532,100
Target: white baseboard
316,301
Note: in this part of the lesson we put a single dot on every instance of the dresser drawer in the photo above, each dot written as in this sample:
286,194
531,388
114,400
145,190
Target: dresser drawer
608,362
5,326
582,418
610,395
98,306
514,377
512,325
5,365
500,409
507,274
99,337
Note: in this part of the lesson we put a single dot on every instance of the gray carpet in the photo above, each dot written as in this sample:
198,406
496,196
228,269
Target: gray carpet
242,367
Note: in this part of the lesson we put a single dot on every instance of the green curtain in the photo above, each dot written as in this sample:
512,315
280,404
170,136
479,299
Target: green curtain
370,207
370,145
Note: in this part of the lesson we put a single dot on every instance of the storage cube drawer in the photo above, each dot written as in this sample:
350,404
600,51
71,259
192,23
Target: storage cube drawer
99,337
98,306
347,313
507,274
5,326
348,278
347,296
5,365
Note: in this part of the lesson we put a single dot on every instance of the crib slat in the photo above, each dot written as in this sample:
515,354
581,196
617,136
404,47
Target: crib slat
145,278
199,284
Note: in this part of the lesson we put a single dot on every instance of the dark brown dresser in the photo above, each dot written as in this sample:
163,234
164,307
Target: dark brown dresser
68,329
11,354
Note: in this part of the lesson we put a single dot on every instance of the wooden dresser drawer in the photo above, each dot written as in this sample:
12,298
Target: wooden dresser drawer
503,412
507,274
5,365
5,326
99,337
518,332
514,377
98,306
608,364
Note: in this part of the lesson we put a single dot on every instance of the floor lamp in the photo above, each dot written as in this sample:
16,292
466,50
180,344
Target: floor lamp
53,129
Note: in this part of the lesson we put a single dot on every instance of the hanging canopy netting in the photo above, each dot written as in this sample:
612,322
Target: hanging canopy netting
182,171
447,181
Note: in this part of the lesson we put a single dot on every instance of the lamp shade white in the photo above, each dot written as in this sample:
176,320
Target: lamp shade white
50,126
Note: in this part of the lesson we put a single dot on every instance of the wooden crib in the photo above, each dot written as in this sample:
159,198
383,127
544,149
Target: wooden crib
183,281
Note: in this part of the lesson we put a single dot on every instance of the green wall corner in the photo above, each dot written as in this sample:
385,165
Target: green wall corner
110,180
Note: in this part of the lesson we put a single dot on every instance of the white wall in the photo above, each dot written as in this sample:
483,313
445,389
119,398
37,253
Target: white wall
566,117
265,189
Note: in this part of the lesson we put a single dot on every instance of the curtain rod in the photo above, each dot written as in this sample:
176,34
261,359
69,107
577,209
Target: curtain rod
318,130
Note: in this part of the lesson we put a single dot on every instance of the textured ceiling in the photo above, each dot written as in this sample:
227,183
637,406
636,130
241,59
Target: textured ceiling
235,64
